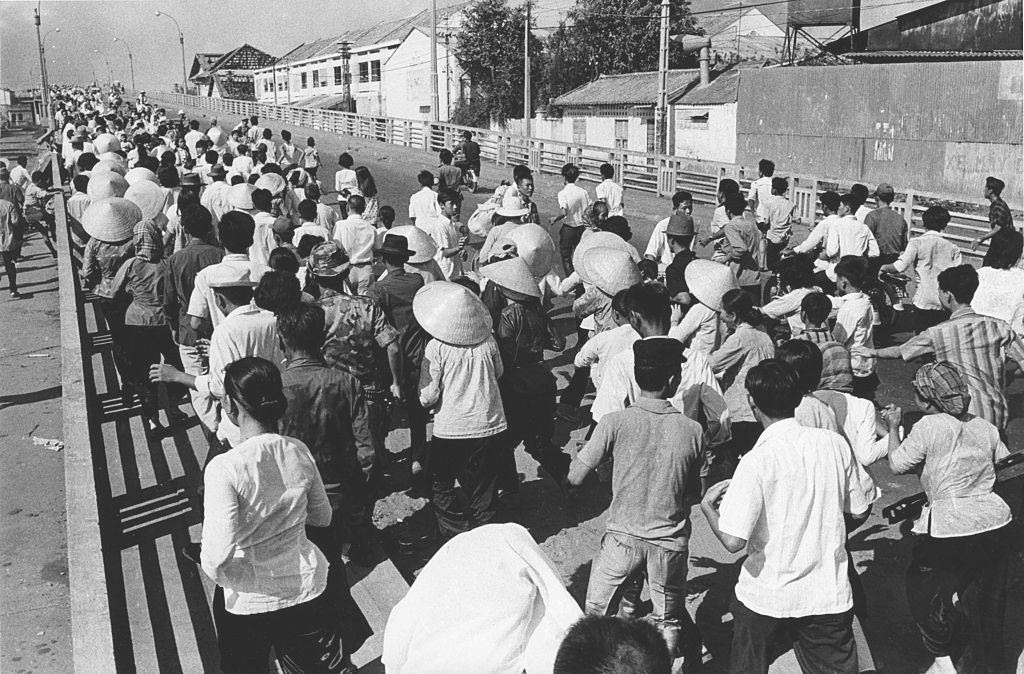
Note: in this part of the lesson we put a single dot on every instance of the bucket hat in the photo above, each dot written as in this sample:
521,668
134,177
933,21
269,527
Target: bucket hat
534,245
422,246
609,269
598,240
328,259
452,313
111,220
140,173
512,274
150,198
680,224
240,196
512,212
708,281
106,142
106,184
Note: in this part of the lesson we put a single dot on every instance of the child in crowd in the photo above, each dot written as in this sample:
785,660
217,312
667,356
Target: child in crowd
656,454
308,225
610,191
448,177
311,158
815,308
779,218
385,221
648,270
596,351
855,322
345,181
423,204
445,231
796,281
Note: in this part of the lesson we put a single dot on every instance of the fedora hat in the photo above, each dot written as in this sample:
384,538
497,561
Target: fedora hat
395,244
106,142
512,274
218,171
451,313
422,246
609,269
191,180
150,198
598,240
680,224
79,138
272,183
228,276
708,281
139,174
240,196
512,212
106,184
534,245
328,259
111,220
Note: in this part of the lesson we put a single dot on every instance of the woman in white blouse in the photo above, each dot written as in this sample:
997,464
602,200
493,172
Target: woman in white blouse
272,589
1000,292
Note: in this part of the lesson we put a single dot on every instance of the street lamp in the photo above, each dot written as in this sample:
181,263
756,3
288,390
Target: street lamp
42,70
181,39
110,77
131,60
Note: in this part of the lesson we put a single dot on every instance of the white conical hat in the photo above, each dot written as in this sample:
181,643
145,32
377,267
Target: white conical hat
451,313
610,269
512,274
240,196
422,246
106,184
598,240
106,142
272,182
111,220
216,136
708,281
149,197
111,161
534,245
140,173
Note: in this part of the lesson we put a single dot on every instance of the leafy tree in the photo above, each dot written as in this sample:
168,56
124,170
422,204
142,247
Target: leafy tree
608,37
490,50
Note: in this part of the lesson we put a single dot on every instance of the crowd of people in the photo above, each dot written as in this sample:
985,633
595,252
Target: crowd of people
299,329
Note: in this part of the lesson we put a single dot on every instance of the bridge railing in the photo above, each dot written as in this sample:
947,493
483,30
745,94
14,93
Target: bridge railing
653,173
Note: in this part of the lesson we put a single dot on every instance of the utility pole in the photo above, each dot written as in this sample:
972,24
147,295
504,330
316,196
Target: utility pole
661,113
346,74
45,93
434,101
526,68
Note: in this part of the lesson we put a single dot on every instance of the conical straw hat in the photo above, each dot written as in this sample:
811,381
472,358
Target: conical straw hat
106,184
534,245
240,196
598,240
111,220
452,313
106,142
610,269
138,174
271,182
422,246
512,274
150,198
708,281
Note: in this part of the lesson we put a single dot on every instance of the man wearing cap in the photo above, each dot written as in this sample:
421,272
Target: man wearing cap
395,290
215,197
657,246
656,454
679,238
889,228
360,340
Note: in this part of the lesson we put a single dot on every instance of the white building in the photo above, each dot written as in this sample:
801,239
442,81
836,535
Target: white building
704,120
406,77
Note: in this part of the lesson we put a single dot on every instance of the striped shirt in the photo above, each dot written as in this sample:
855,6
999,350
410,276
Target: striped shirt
979,346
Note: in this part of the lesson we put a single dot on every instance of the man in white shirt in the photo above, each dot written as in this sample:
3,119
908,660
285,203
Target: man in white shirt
855,323
215,196
610,191
193,136
21,177
788,505
255,132
657,245
264,239
444,230
848,235
423,204
235,233
573,202
761,190
357,236
243,163
861,210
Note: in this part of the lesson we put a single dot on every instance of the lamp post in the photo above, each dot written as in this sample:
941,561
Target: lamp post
110,78
181,39
45,93
131,60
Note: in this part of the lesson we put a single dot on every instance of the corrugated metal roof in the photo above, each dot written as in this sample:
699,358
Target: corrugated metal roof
723,89
932,55
245,57
628,89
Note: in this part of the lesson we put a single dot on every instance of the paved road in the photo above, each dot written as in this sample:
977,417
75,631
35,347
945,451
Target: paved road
35,627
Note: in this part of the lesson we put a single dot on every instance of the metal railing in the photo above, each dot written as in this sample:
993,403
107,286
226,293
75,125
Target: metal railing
662,175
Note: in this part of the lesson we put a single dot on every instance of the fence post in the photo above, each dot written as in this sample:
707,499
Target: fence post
426,136
908,213
502,154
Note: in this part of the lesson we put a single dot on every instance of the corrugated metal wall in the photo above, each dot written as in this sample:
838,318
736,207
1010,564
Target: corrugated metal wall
932,127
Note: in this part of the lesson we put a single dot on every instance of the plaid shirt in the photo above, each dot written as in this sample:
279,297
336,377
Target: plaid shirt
816,335
999,215
979,346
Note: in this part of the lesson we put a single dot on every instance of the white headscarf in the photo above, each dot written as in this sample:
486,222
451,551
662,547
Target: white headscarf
488,601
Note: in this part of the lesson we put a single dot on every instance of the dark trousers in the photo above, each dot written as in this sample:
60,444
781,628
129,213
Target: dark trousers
113,315
572,394
568,238
11,269
865,387
822,643
827,285
144,345
530,413
309,636
418,418
46,226
473,462
928,318
773,252
940,567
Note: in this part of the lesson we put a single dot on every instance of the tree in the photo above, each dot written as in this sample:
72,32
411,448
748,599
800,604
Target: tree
490,50
609,37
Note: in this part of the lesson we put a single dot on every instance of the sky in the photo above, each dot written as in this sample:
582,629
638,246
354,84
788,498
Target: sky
275,26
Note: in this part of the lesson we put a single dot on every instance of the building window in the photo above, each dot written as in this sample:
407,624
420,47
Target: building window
364,72
694,119
621,134
316,78
579,132
375,71
302,80
652,144
337,76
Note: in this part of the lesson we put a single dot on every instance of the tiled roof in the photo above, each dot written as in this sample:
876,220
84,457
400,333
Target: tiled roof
723,89
202,62
932,55
245,57
628,89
